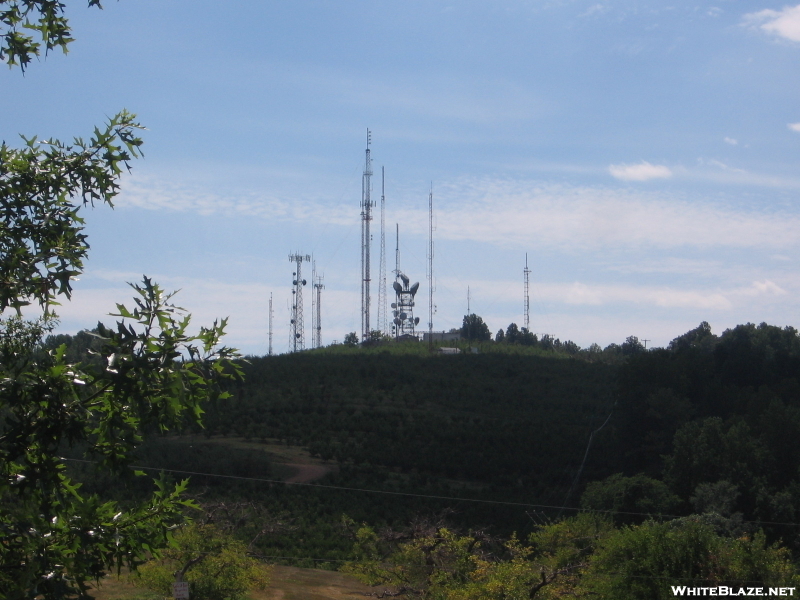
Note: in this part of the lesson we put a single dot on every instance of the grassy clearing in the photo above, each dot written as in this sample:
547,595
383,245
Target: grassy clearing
284,460
293,583
113,588
275,452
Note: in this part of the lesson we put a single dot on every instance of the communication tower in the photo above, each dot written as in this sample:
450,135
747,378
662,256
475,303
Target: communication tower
298,335
270,323
318,287
431,306
381,324
527,273
313,304
366,240
404,322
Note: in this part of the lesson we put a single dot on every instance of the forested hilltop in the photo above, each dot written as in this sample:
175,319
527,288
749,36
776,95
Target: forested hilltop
707,425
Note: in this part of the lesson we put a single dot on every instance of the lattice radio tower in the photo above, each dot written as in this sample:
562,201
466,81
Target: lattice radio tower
431,306
366,239
527,273
381,324
298,335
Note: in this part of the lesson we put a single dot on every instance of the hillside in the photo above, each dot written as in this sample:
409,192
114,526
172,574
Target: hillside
499,439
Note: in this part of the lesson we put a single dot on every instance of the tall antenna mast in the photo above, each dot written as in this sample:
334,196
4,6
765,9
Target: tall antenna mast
527,273
381,324
468,310
298,335
313,303
366,239
270,323
397,249
318,287
431,307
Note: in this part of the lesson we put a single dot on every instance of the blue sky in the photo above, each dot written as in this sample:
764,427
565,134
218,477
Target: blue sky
643,154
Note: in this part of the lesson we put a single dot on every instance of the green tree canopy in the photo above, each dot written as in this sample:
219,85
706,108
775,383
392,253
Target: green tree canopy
19,19
474,329
629,498
215,564
645,562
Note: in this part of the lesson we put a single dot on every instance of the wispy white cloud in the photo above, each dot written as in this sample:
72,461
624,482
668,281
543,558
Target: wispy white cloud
794,127
726,175
159,194
656,297
620,295
763,288
731,141
593,10
639,172
784,23
667,265
581,218
513,212
713,162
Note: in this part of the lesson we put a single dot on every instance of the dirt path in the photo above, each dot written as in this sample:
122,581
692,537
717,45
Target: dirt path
306,473
292,464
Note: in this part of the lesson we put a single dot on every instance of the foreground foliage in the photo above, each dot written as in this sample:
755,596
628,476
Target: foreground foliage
214,563
583,557
150,377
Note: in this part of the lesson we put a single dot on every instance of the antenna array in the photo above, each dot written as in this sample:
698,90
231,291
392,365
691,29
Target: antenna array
404,322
